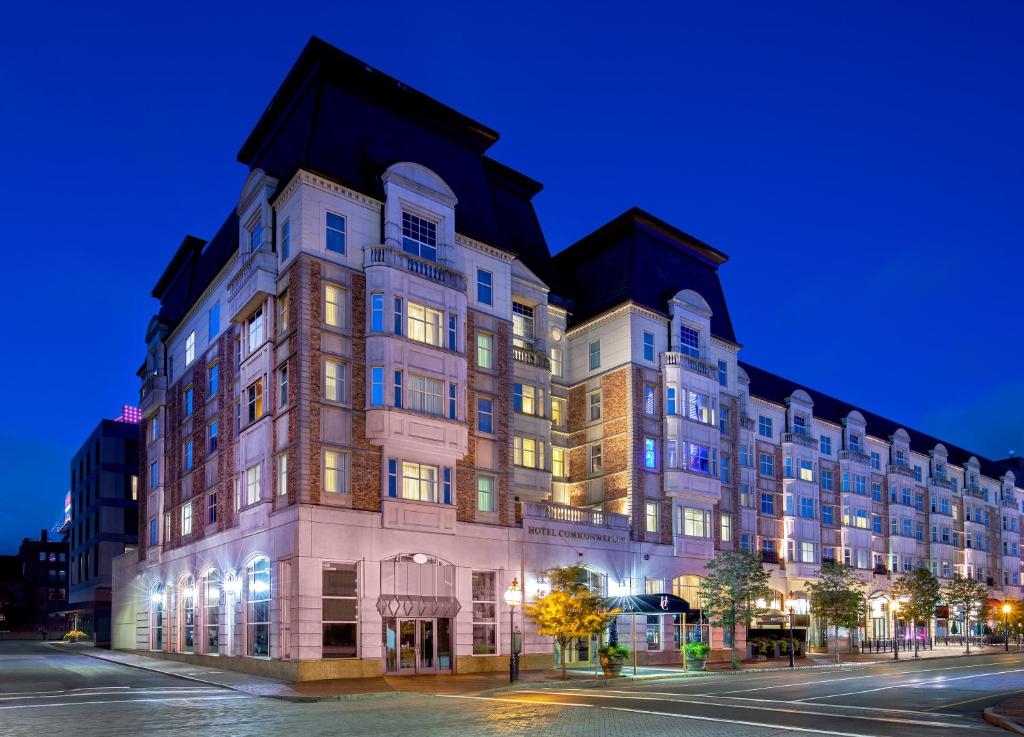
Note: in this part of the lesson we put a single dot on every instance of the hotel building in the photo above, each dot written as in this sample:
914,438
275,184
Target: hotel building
373,400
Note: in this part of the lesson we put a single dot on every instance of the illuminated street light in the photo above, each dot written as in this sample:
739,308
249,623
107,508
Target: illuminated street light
513,598
1006,626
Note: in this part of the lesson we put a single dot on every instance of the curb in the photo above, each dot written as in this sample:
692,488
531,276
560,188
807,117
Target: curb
993,717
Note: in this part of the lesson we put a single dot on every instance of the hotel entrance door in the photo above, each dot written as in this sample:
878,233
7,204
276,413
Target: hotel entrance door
417,646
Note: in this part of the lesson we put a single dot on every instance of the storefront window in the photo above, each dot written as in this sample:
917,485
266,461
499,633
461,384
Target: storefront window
211,612
258,609
484,613
340,605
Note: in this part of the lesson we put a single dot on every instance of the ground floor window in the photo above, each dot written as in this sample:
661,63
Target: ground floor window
484,613
187,614
258,608
653,632
340,605
211,612
157,617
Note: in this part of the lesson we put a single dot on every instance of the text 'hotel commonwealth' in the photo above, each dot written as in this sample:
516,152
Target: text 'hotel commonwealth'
373,399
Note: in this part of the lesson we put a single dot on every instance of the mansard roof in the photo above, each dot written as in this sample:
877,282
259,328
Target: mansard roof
775,388
338,117
641,258
193,268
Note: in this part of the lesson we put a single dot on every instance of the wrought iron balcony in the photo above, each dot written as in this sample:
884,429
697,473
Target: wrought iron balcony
399,259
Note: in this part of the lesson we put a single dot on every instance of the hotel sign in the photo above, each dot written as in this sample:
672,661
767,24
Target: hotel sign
576,535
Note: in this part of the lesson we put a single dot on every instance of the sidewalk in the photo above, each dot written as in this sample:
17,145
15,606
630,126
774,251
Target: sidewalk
476,683
1007,714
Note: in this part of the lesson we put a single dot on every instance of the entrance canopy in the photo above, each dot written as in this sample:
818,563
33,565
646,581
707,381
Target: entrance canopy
428,607
647,604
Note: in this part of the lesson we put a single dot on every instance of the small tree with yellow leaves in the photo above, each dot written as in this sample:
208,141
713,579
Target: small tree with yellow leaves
569,611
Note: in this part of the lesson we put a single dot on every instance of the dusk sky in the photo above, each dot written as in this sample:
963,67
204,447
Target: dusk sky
861,165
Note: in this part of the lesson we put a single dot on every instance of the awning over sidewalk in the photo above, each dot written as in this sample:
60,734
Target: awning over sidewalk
407,605
647,604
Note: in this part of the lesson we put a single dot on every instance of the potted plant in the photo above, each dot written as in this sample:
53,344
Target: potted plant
696,655
75,636
613,657
759,648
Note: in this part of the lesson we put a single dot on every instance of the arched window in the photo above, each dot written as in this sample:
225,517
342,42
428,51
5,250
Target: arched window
212,590
187,614
257,611
156,613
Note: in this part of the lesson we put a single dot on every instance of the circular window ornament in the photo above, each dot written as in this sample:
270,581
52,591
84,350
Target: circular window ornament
556,334
419,559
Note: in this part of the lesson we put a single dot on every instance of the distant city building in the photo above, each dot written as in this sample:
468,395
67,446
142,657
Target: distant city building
373,401
44,573
104,517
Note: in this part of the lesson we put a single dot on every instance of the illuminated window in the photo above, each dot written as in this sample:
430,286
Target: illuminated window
424,394
649,406
334,381
485,493
186,519
485,350
559,463
806,471
284,306
258,608
696,522
419,482
650,460
525,399
653,516
252,484
190,348
424,324
335,472
556,361
557,412
524,451
726,528
522,325
254,400
334,305
282,475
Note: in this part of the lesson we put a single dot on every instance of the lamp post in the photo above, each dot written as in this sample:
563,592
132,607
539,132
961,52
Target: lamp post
513,598
791,600
895,606
1006,626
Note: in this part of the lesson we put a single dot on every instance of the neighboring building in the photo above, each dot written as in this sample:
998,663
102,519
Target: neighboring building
44,573
12,594
373,399
104,517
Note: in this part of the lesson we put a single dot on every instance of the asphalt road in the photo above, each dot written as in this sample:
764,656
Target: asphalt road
45,690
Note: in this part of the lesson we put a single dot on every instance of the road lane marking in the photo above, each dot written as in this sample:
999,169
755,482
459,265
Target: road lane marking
783,727
67,690
140,692
892,719
915,684
127,701
584,691
979,698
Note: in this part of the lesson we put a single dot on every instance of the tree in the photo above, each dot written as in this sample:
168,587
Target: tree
836,598
965,594
569,611
729,590
919,594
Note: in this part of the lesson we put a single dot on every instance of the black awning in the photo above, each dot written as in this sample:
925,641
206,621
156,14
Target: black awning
647,604
404,605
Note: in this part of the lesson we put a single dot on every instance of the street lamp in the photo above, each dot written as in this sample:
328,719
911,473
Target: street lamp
513,598
894,607
1006,626
791,600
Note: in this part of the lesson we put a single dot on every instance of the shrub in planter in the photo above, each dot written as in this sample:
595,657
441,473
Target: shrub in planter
75,636
696,655
759,647
613,657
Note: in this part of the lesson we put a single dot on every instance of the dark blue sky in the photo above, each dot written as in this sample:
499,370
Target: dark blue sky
860,163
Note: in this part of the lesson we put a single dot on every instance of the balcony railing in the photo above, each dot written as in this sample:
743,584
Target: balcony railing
697,365
974,490
747,423
1008,504
800,438
900,468
531,357
390,256
255,279
940,481
555,512
854,455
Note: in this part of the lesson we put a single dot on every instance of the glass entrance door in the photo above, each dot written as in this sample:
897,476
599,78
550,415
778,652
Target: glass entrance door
417,646
407,646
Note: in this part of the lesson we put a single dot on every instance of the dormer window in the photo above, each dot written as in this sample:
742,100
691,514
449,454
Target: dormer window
855,444
901,458
419,237
255,231
522,325
689,341
800,424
